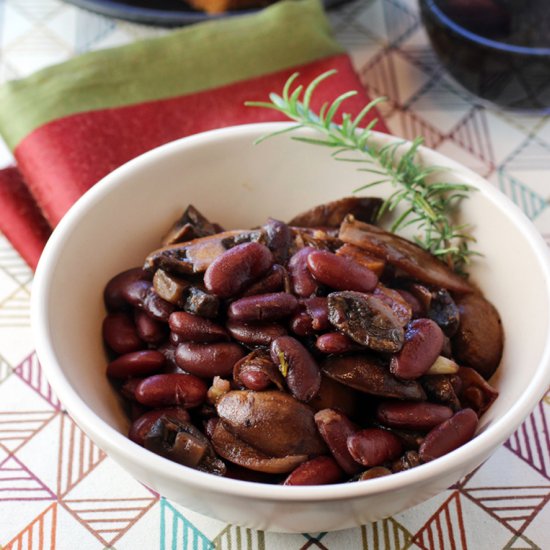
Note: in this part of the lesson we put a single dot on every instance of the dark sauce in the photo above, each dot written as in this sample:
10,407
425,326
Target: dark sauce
497,49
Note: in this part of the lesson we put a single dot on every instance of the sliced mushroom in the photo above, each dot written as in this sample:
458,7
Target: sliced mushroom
272,422
367,320
476,393
183,443
278,238
403,254
191,225
235,450
440,388
365,373
332,213
362,257
196,255
333,395
479,341
170,287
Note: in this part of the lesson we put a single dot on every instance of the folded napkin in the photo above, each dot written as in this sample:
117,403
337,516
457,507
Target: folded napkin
71,124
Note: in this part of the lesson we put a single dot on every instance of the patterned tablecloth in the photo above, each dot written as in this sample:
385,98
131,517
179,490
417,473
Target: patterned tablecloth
58,490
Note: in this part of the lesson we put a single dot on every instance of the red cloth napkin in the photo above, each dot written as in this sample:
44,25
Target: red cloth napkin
71,124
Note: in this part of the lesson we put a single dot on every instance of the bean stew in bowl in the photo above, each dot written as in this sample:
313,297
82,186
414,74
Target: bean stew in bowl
275,357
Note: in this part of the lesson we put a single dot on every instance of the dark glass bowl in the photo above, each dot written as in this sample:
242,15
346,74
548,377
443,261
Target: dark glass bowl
497,49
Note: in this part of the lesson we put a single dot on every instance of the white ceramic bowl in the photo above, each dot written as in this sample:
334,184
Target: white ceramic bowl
239,185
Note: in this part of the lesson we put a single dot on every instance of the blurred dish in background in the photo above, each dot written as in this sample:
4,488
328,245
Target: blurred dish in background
173,13
497,49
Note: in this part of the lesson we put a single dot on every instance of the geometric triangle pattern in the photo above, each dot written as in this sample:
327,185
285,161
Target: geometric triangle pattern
59,491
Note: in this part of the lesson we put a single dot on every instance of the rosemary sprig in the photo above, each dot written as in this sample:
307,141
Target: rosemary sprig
428,206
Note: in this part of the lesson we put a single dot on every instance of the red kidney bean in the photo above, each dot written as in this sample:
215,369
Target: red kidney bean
263,307
412,415
301,280
167,390
303,376
449,435
340,272
192,328
273,281
114,295
255,334
301,324
253,379
149,330
156,307
278,237
141,426
317,309
423,343
208,360
335,342
136,363
257,372
418,310
120,333
136,292
397,303
372,447
231,272
321,470
335,428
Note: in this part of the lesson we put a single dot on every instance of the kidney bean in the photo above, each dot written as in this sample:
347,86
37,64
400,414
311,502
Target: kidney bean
372,447
166,390
257,372
317,309
321,470
115,293
417,309
278,239
156,307
208,360
340,272
412,415
303,376
149,330
449,435
136,363
301,324
335,428
120,333
423,344
263,307
335,342
301,280
231,272
398,304
141,426
136,292
255,334
273,281
192,328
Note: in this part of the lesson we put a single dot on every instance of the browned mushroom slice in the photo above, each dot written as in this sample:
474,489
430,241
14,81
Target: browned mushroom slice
196,255
235,450
367,320
479,341
272,422
333,395
475,392
191,225
403,254
183,443
332,213
442,388
322,238
365,373
362,257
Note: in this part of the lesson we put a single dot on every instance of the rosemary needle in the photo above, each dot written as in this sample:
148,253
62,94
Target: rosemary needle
427,205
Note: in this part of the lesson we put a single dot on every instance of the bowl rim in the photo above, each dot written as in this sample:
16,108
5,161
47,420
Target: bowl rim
105,436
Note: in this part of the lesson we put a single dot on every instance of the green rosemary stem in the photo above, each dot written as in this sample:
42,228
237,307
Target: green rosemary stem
429,206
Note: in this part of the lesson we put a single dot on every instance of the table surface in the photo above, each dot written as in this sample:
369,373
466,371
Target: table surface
58,490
